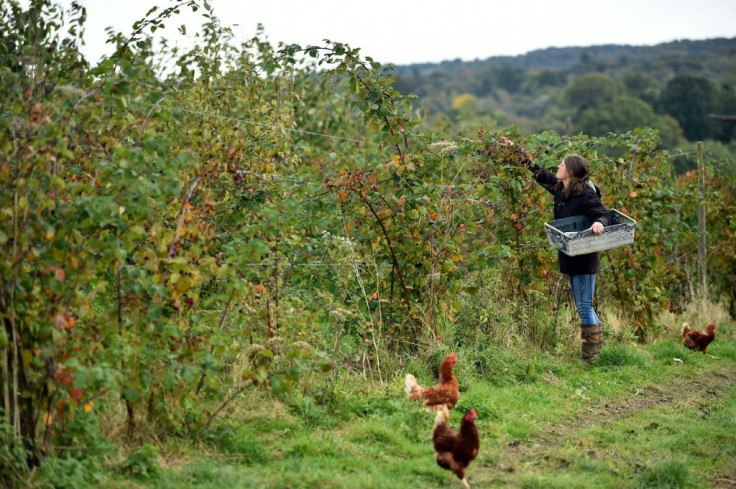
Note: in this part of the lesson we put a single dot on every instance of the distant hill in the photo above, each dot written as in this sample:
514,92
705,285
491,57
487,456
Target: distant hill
595,89
718,55
712,58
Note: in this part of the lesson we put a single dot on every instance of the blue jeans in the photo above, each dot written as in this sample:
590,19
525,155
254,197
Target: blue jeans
583,289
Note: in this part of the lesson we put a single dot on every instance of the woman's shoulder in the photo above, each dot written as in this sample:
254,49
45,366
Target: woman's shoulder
588,197
591,191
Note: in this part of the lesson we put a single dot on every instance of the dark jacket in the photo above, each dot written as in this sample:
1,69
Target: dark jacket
587,203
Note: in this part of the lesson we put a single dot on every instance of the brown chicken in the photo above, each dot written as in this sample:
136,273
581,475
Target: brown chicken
446,393
455,451
698,340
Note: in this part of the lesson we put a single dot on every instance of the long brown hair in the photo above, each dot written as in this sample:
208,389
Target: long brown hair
579,171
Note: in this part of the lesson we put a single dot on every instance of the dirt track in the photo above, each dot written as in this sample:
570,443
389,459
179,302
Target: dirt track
542,452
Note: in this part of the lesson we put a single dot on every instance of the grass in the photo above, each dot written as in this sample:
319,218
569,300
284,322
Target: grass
621,356
635,419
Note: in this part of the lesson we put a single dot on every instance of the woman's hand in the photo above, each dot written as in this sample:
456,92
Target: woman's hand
504,141
597,228
525,157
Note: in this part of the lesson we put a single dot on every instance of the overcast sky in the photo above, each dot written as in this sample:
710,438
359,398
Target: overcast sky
409,31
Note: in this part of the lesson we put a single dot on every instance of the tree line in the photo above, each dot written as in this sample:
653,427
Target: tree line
674,87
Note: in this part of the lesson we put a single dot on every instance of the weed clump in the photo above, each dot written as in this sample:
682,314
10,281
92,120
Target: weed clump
669,474
142,464
620,356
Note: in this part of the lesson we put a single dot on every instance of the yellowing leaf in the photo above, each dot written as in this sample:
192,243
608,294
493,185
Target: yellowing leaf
58,183
22,203
184,284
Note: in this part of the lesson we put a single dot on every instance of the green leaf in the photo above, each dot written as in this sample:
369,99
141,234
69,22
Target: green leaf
278,384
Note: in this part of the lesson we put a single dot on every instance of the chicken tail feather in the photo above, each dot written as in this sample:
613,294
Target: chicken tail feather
412,388
441,417
685,329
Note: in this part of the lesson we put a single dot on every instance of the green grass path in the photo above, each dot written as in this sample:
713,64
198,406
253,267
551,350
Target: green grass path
639,419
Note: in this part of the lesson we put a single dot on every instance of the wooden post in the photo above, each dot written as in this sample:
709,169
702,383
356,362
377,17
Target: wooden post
702,282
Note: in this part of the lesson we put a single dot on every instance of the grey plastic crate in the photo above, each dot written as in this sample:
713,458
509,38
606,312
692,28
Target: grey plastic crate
573,236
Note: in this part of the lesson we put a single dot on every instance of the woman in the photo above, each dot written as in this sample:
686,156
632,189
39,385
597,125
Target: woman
574,194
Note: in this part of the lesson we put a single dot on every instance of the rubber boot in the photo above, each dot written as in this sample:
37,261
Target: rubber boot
592,336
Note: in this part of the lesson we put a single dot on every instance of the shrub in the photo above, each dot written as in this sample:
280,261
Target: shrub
70,473
13,466
143,463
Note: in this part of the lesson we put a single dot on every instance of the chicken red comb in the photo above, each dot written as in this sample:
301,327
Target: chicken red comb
471,415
